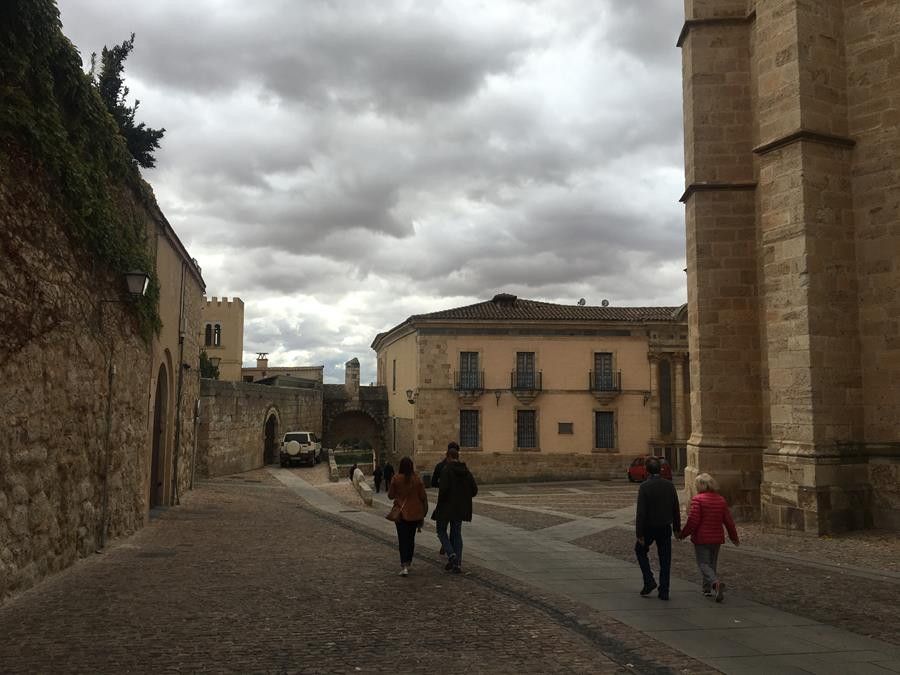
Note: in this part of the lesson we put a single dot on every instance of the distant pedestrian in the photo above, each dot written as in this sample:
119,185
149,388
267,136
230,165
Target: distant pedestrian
709,512
408,492
454,505
377,474
657,513
352,471
388,474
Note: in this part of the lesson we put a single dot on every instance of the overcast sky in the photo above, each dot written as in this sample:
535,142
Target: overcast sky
342,164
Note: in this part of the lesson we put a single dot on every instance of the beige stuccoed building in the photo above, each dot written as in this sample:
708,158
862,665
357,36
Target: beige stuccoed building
792,167
534,390
222,335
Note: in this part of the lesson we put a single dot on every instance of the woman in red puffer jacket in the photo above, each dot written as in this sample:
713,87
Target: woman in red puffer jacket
709,512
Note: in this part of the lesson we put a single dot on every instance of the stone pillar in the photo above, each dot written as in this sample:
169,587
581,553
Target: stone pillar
722,277
654,396
351,378
678,399
814,473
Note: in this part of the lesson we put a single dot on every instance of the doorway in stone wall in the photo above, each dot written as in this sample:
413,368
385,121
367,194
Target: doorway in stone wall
160,409
270,451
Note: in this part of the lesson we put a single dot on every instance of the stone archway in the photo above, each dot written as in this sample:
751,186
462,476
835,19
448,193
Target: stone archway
354,427
270,446
160,432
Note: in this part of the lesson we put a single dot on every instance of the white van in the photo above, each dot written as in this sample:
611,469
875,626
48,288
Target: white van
300,446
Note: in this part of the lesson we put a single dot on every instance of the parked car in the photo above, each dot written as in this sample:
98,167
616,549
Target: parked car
637,472
302,447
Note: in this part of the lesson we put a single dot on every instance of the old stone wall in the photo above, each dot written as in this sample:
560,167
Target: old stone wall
792,109
74,403
233,418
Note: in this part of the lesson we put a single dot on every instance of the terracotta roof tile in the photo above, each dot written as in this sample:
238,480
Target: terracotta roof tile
509,307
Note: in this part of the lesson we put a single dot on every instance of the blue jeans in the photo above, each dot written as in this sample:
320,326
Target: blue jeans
453,544
663,538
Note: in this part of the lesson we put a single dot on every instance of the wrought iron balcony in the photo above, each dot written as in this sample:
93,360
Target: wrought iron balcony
470,382
605,386
525,381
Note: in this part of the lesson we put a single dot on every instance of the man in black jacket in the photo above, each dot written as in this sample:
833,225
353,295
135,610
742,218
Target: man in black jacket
436,478
657,513
454,505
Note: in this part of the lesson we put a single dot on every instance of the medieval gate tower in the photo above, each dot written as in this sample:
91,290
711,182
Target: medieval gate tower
792,168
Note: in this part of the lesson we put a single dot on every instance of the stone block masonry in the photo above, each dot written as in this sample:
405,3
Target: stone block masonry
792,140
233,417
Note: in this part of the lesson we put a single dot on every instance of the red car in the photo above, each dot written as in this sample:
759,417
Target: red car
637,473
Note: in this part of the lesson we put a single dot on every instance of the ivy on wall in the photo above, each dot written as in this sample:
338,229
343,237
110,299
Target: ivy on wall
52,110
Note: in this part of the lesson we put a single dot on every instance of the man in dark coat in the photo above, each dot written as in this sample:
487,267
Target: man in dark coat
376,476
436,476
388,474
454,505
657,513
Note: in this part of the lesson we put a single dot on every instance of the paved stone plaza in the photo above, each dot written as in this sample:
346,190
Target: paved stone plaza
277,571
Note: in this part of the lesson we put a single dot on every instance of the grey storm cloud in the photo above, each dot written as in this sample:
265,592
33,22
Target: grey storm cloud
342,164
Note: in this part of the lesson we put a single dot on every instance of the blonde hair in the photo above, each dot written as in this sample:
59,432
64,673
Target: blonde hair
705,483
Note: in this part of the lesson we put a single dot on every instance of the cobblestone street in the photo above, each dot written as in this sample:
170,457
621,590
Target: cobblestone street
244,577
247,576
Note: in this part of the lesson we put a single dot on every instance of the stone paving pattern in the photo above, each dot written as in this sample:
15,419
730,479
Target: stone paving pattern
837,598
244,577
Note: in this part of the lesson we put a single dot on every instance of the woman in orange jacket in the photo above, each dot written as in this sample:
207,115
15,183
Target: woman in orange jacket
408,493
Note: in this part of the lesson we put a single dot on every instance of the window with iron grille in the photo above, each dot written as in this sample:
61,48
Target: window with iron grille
468,371
525,370
468,428
603,371
604,429
526,429
208,337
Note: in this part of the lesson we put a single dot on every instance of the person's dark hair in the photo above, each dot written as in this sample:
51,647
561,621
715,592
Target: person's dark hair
453,453
406,467
452,445
652,465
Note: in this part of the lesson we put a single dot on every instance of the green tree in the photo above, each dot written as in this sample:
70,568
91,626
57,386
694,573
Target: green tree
207,369
140,139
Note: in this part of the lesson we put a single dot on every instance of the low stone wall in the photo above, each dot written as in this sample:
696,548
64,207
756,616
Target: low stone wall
233,419
523,467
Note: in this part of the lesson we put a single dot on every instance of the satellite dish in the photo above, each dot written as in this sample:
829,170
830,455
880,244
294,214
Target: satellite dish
605,302
582,302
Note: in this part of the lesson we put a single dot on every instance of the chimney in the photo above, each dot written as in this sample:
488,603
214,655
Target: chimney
262,361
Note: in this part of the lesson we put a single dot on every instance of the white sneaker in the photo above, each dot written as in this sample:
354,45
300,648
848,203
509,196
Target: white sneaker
404,572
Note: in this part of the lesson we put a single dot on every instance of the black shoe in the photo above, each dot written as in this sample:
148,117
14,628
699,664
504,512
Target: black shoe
648,589
456,569
451,563
719,589
663,596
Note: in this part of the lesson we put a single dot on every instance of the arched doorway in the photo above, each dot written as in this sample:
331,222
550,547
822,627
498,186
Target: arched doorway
354,428
160,416
270,450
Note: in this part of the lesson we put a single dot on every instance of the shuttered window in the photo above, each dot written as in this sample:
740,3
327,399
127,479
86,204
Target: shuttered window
604,430
526,429
468,429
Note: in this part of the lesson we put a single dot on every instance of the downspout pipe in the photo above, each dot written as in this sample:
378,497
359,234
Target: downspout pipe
176,497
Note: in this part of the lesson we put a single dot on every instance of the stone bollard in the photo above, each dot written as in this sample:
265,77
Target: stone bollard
333,474
362,487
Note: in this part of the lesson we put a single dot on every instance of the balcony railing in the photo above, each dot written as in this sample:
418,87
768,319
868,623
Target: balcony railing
525,381
605,382
469,381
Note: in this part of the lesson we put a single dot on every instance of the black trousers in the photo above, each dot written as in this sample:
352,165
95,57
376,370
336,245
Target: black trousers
663,538
406,538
